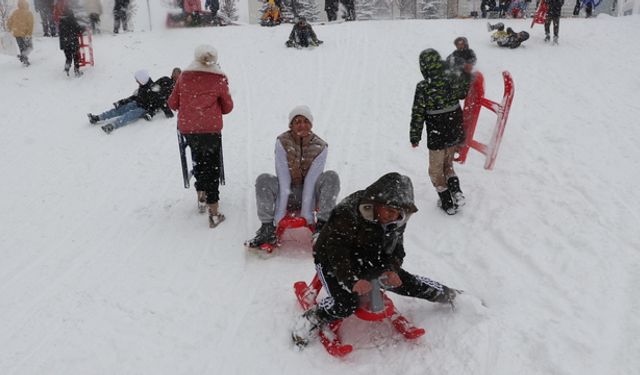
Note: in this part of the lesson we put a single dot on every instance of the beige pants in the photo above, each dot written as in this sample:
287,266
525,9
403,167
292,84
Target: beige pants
441,167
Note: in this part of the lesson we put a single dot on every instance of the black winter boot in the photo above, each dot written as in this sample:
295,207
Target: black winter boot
446,203
265,235
454,187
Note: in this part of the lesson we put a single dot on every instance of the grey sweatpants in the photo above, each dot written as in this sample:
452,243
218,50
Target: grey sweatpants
326,193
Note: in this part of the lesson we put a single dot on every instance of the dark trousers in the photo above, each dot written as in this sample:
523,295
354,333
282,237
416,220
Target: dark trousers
206,155
556,25
341,302
94,19
48,26
72,55
25,46
119,17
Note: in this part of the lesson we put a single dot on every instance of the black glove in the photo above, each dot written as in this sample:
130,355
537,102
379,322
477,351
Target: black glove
168,113
116,104
147,116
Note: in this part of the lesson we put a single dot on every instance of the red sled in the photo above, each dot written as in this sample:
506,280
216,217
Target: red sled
374,307
541,13
290,221
474,101
86,49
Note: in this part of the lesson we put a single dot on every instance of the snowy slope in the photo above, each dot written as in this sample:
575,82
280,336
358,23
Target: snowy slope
106,268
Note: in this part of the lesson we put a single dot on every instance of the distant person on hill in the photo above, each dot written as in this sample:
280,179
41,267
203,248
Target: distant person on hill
508,38
201,97
463,58
302,35
553,15
350,7
331,7
45,8
20,25
69,43
272,14
120,8
436,103
144,101
94,9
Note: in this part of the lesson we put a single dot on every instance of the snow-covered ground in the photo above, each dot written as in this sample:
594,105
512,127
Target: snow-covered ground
107,268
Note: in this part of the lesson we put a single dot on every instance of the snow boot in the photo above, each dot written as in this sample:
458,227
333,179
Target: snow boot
454,187
202,201
555,39
446,203
265,235
215,217
547,38
67,66
108,128
305,327
93,119
77,72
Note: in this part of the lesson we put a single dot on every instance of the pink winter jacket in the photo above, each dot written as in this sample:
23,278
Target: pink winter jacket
201,98
191,6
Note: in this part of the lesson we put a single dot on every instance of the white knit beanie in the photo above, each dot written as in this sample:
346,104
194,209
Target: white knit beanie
142,76
301,110
206,54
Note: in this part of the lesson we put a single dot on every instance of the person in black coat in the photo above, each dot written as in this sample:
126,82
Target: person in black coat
463,58
553,15
120,15
363,240
331,7
69,30
302,35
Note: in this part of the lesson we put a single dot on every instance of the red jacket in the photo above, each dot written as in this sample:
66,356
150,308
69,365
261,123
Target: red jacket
201,98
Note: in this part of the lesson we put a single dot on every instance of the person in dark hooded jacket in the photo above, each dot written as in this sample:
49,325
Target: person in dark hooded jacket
463,58
437,104
144,101
508,38
362,241
302,35
553,15
69,29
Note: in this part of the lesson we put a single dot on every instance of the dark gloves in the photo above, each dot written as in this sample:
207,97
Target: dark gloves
167,112
147,116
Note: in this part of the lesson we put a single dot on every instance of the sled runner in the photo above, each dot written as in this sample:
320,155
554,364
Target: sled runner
474,101
86,49
186,172
375,306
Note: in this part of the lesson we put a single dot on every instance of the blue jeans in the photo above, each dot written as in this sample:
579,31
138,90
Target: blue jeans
125,114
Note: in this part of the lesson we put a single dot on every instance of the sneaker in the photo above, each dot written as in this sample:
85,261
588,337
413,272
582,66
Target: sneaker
108,128
265,235
547,38
555,39
93,119
147,116
202,201
305,327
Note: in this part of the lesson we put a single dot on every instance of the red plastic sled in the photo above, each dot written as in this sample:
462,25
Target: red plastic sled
86,49
369,311
541,13
290,221
474,101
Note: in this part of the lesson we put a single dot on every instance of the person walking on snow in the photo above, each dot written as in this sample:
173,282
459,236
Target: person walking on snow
20,24
45,8
144,101
120,15
436,103
201,96
94,9
300,184
69,30
553,15
363,241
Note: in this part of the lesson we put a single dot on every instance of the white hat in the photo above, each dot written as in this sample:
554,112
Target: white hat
206,54
142,76
301,110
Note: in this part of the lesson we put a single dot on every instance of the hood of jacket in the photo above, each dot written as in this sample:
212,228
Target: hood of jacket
392,189
431,64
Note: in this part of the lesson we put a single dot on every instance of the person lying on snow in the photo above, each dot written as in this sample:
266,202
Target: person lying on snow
302,35
362,241
142,104
508,38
